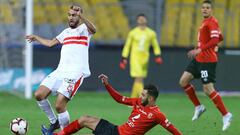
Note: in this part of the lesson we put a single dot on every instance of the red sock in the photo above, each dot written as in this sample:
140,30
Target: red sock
190,91
71,128
217,100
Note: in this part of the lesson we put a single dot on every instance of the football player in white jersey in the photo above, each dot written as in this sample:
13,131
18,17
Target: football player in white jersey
72,69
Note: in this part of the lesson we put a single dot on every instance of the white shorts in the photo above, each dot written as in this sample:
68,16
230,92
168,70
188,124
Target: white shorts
66,83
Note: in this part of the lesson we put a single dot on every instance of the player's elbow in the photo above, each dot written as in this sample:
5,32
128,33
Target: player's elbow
118,100
50,45
93,30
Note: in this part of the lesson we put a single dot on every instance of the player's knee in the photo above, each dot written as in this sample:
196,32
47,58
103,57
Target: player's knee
80,121
183,82
41,93
38,96
207,89
83,120
59,108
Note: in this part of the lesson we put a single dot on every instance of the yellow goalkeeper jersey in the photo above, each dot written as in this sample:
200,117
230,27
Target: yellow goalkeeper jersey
138,44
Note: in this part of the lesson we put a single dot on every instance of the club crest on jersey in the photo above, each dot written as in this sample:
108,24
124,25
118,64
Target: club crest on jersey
150,115
70,87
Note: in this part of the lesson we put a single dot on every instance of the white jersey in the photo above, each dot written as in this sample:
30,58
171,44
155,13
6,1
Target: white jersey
74,52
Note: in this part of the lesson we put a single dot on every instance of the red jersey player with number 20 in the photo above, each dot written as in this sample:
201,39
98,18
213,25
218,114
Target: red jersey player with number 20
145,115
204,65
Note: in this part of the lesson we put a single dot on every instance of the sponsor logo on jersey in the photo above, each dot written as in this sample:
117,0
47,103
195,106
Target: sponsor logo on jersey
70,81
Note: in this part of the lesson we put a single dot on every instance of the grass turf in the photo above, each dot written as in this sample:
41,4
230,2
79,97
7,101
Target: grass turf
177,108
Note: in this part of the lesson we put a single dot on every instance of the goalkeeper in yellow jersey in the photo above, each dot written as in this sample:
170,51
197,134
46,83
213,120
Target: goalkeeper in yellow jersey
138,45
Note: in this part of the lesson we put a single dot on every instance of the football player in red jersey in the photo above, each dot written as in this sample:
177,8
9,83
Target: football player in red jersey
204,65
145,115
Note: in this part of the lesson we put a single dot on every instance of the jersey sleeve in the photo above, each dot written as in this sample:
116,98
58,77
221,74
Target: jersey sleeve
165,123
119,98
215,35
127,46
86,31
60,37
214,29
156,48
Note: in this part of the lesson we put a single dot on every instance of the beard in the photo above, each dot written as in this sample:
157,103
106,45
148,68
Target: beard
145,102
73,24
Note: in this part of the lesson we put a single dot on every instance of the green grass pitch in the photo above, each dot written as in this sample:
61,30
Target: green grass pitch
177,108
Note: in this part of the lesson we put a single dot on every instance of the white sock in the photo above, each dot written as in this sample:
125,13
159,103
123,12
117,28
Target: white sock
46,107
63,119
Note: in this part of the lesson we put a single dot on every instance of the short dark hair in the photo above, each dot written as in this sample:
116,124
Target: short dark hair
76,5
152,90
207,1
141,15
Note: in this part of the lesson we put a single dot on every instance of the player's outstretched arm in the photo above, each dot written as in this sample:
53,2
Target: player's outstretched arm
43,41
116,96
156,49
91,27
125,52
163,121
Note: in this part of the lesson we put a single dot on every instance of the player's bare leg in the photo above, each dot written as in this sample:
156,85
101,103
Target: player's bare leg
185,79
208,88
60,106
41,96
89,122
42,93
137,87
184,82
63,115
217,100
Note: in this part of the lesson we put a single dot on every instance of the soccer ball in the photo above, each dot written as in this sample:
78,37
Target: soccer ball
19,126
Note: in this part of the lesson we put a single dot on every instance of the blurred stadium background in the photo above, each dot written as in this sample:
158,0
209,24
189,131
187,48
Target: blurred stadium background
176,23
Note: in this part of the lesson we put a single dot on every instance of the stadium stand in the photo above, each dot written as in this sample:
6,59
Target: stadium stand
183,17
111,20
39,16
6,14
169,22
54,12
233,28
220,14
186,20
180,20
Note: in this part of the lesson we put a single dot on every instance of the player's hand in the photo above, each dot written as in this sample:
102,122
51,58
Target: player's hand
193,53
123,63
30,38
78,10
158,60
104,79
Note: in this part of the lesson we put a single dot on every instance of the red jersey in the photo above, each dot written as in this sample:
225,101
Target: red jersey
142,118
209,36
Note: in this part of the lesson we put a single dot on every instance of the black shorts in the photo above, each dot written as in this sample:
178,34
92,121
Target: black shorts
205,71
105,128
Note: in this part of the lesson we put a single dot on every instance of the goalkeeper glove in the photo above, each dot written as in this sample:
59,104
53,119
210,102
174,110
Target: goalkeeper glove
158,60
123,63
